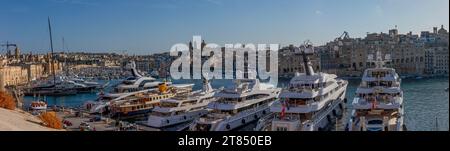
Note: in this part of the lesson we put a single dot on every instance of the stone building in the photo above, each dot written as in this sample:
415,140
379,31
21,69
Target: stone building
13,76
291,62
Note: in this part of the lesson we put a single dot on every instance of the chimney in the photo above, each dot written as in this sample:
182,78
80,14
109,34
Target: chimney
435,30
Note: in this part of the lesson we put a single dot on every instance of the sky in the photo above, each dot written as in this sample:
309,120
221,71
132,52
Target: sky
151,26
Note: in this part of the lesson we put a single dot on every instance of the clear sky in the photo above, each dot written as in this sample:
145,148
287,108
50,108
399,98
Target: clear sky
147,26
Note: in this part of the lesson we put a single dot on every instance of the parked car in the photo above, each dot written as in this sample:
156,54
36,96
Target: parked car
85,126
95,119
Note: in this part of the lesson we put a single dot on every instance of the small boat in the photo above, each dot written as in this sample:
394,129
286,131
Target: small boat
38,105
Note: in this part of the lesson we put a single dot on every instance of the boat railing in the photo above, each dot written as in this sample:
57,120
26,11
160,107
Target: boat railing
302,89
213,117
323,113
264,122
385,100
244,113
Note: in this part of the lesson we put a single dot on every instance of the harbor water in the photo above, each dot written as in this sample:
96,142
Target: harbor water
425,100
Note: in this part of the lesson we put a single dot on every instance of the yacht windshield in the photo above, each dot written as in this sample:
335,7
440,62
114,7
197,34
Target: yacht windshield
375,122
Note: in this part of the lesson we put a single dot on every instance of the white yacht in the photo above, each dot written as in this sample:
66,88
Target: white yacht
55,87
378,104
235,107
137,82
311,102
139,102
182,108
86,83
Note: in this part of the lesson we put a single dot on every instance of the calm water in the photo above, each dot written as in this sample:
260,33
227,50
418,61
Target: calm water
425,100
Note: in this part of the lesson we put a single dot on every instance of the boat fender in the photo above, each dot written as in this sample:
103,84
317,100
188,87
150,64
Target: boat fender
329,118
264,112
184,117
167,121
256,116
334,113
345,100
228,126
243,121
340,106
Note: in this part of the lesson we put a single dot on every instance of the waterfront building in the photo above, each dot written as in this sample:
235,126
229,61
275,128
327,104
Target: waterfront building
144,65
13,76
291,62
34,71
410,54
436,61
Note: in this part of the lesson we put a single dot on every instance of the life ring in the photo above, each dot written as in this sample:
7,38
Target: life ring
228,126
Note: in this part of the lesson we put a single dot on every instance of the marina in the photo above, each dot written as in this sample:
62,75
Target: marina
426,98
311,100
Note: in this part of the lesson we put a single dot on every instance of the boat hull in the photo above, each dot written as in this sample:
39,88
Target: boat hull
159,122
132,113
50,92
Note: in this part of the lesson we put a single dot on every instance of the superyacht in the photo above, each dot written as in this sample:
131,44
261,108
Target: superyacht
311,102
182,108
378,104
245,102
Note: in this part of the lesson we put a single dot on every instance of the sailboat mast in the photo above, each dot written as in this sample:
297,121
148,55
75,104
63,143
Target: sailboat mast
52,54
65,57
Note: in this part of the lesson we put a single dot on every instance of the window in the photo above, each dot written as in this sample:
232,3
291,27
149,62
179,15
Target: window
375,122
281,129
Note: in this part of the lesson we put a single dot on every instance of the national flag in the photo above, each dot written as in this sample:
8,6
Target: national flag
283,109
374,103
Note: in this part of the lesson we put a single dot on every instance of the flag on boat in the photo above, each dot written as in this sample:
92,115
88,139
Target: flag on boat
283,109
374,103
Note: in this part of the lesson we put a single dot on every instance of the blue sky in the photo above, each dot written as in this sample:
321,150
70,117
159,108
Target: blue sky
148,26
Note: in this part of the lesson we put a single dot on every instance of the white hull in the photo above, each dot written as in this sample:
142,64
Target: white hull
241,121
39,108
159,122
328,111
392,124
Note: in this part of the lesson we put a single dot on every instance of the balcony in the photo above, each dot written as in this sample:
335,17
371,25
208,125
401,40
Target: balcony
387,103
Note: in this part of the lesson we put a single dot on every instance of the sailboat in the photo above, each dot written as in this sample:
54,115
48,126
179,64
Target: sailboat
52,88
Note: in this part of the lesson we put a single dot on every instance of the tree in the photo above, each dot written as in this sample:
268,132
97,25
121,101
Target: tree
7,101
50,120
